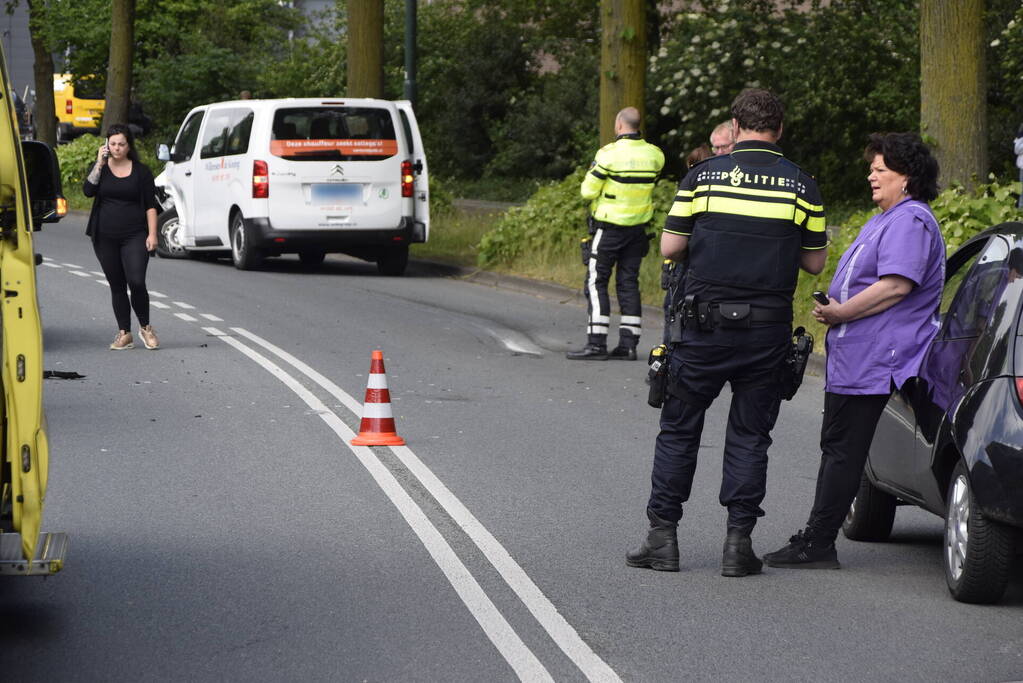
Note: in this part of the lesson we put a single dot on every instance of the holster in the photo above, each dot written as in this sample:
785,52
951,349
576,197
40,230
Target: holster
585,248
790,372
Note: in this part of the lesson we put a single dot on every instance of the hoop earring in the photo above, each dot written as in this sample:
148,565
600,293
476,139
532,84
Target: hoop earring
904,190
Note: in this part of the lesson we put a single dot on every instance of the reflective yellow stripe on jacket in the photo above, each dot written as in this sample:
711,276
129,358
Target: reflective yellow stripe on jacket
620,183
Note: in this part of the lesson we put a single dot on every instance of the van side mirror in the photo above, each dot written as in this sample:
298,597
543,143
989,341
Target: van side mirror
163,152
45,192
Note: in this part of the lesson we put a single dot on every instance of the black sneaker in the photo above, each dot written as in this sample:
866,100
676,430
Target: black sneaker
622,353
804,552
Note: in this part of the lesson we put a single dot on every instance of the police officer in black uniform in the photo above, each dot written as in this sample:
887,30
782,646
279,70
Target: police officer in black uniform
747,221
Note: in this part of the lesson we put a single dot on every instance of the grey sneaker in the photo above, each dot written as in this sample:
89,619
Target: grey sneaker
122,341
149,337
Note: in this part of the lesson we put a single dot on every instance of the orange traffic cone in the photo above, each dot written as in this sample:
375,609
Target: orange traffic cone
377,427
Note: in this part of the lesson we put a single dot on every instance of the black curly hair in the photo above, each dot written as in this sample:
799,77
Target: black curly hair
907,154
121,129
758,110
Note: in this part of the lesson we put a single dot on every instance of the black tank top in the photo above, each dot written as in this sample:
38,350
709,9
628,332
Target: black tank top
120,209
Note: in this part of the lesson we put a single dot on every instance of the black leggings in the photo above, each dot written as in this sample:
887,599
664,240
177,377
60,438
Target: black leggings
124,261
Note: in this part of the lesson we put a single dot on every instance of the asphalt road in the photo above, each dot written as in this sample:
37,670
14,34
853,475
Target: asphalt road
222,529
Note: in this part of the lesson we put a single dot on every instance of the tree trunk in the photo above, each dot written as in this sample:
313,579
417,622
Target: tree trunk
365,48
44,110
953,88
622,61
122,44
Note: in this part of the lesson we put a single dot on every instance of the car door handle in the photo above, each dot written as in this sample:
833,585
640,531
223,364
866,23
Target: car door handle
188,173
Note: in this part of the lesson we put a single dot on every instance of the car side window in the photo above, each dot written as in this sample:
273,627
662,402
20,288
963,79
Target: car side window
227,133
185,145
974,289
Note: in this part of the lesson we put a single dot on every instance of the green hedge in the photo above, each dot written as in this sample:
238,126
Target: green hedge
545,232
77,157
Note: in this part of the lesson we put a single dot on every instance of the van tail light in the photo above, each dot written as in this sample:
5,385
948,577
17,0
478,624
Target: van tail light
260,180
406,179
69,107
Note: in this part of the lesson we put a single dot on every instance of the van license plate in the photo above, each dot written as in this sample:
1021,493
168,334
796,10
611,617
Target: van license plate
335,193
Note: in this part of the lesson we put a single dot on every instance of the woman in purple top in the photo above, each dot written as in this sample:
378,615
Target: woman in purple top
882,314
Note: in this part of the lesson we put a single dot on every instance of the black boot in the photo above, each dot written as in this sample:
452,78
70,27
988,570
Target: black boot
738,558
622,353
589,352
660,549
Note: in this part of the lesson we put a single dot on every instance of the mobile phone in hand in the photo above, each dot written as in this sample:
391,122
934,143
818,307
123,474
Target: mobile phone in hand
821,298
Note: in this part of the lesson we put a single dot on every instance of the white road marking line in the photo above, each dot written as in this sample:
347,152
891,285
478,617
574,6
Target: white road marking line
51,264
182,304
157,294
103,282
158,304
187,318
210,316
494,625
97,273
81,273
71,265
563,634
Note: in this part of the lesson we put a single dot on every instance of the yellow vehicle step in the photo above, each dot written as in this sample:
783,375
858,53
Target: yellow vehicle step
50,553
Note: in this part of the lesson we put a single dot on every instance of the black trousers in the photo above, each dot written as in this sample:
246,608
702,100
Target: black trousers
124,261
846,432
622,249
699,373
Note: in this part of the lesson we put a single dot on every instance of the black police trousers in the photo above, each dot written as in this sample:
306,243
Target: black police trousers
621,248
698,372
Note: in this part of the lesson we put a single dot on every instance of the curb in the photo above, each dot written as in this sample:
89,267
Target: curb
653,317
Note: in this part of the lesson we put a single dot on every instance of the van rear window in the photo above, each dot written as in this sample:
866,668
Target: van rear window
333,134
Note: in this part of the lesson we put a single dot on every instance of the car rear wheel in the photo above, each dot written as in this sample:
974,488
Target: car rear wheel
393,261
311,259
978,552
168,235
871,514
243,253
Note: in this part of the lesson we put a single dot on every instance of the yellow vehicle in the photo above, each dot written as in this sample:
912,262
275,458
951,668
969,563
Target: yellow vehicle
79,108
30,194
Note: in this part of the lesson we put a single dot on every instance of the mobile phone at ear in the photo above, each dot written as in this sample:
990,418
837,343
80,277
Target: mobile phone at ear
821,298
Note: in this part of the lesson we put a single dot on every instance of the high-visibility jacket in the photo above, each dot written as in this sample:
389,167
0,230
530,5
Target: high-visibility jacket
620,182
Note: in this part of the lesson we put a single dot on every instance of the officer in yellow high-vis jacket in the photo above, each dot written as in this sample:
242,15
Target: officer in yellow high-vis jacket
620,185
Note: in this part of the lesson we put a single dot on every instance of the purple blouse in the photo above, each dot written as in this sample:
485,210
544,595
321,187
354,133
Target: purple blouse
868,355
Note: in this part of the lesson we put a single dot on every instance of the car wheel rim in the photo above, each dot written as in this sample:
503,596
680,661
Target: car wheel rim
238,242
170,237
957,527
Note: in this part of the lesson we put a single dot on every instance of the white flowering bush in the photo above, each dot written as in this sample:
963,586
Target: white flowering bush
842,72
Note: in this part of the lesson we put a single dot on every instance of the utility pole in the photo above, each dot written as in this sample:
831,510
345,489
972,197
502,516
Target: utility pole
365,48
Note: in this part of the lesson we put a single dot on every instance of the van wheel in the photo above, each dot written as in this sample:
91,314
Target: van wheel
311,259
392,261
871,514
978,552
168,235
244,255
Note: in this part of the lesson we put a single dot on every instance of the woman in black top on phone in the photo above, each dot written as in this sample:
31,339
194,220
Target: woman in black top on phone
122,225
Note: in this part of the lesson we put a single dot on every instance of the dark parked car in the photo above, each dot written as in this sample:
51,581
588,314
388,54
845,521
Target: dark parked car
951,440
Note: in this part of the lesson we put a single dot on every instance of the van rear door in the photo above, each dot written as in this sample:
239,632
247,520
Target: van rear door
334,166
417,154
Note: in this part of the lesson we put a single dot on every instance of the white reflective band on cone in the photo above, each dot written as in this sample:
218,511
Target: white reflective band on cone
377,381
377,410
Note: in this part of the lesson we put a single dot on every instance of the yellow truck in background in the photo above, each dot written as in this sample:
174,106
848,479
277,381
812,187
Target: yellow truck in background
79,107
30,194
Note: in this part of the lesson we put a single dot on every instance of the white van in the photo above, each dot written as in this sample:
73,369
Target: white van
307,176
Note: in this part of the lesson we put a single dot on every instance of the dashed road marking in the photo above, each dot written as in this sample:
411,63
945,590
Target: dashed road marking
51,264
71,265
211,317
187,318
158,304
81,273
97,273
157,294
182,304
103,282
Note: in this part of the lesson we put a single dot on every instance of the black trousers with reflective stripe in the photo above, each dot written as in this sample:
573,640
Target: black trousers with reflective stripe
699,372
620,249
